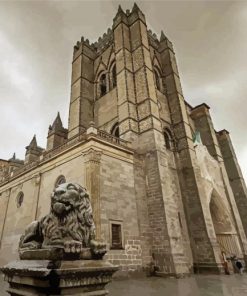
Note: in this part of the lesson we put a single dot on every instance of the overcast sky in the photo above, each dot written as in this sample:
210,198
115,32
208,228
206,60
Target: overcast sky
36,45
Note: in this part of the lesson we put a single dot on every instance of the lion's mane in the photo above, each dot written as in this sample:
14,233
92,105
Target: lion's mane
77,224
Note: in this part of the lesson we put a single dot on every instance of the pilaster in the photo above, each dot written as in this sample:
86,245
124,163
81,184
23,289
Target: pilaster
92,183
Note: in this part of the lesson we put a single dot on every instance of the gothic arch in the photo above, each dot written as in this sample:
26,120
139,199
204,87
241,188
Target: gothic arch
157,79
115,130
113,74
111,57
223,224
102,85
168,138
158,74
156,62
101,67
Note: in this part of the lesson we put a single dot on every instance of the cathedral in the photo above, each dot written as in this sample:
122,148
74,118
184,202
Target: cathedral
165,186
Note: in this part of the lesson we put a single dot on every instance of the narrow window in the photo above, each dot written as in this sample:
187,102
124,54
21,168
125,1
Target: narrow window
114,76
116,236
167,140
115,130
157,79
102,85
19,199
60,180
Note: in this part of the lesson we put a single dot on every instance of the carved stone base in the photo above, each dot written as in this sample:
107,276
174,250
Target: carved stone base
44,277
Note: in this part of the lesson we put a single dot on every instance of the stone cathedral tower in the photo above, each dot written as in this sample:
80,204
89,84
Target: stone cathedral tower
166,187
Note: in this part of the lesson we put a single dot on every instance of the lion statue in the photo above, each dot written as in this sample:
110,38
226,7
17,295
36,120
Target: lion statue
68,227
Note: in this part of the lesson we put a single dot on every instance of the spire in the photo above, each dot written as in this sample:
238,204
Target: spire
33,143
135,7
136,11
57,124
120,10
33,151
13,157
162,36
165,42
120,16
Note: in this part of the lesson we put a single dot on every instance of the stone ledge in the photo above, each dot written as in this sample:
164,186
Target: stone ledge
45,277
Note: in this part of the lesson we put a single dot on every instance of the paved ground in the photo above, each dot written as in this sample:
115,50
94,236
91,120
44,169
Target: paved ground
234,285
202,285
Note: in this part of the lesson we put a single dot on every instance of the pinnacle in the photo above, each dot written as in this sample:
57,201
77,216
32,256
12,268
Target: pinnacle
13,157
119,9
135,7
57,124
162,36
33,143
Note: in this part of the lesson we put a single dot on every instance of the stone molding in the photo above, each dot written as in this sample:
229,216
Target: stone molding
92,155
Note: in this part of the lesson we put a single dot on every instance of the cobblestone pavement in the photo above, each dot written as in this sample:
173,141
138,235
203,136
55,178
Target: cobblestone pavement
202,285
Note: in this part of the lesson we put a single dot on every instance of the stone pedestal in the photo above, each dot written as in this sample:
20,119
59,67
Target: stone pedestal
45,277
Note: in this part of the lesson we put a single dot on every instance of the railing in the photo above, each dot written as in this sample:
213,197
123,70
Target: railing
108,137
24,168
69,143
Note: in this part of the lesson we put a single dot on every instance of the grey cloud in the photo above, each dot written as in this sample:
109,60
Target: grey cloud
37,41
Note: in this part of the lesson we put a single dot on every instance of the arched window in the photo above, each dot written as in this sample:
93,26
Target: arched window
168,139
102,84
114,76
115,130
157,79
60,180
19,199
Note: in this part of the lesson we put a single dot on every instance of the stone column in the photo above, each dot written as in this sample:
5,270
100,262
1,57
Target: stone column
92,183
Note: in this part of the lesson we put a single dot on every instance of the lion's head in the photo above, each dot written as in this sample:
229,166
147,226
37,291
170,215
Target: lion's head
68,197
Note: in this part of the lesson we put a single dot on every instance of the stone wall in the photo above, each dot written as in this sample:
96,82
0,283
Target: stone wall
106,110
115,195
118,203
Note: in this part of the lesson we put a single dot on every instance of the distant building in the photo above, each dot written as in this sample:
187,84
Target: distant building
166,188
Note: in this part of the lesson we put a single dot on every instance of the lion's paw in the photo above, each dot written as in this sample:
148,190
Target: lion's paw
72,246
98,248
